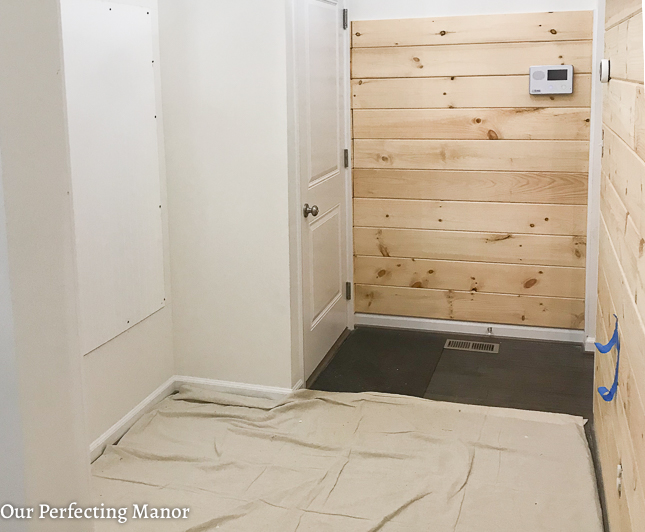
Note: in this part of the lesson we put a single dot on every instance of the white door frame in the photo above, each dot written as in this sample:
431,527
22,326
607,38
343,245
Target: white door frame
595,164
295,204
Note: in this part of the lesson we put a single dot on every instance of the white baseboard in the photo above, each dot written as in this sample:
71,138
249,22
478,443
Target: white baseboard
116,431
472,328
251,390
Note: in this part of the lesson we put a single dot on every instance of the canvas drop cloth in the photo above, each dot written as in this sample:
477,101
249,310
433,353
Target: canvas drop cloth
319,462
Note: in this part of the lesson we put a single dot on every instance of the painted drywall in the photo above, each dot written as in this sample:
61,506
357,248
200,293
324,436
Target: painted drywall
121,373
384,9
12,465
224,81
36,185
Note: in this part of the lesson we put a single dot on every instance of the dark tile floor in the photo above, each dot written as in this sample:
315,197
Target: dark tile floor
531,375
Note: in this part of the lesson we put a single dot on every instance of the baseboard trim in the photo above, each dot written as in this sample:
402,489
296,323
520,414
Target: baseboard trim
472,328
251,390
116,431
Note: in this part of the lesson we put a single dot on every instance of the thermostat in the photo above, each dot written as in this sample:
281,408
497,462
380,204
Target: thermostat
551,79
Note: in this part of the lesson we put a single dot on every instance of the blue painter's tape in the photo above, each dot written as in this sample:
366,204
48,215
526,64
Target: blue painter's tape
609,394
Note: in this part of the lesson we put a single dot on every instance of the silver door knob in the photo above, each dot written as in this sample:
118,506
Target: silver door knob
313,210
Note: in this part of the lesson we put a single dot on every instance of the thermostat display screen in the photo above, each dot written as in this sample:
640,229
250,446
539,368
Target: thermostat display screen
557,75
551,79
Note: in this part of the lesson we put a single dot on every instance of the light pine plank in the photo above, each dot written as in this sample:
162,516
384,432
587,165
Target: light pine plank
624,48
471,276
475,124
635,62
628,242
468,59
524,27
471,246
522,187
471,306
616,296
626,170
493,217
616,50
623,291
619,10
616,507
517,155
625,413
619,109
462,92
639,125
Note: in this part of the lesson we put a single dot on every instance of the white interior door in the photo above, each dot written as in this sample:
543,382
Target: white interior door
320,79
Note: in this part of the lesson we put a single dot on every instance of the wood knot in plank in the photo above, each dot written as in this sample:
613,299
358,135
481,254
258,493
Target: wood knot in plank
530,283
498,238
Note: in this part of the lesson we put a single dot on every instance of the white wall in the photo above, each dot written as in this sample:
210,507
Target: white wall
224,81
36,186
385,9
121,373
12,466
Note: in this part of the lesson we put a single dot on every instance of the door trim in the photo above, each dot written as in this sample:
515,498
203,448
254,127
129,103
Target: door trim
295,204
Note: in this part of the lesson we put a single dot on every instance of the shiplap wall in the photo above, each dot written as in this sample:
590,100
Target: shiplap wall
620,424
469,193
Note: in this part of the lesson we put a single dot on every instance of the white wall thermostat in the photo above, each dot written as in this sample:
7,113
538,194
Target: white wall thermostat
551,79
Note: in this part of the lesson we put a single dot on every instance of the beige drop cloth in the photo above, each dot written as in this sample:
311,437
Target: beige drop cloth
319,462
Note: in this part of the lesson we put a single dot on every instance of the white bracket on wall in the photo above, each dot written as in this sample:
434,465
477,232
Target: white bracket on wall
604,70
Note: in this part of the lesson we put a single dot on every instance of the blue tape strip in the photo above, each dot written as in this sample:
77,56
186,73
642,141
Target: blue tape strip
609,394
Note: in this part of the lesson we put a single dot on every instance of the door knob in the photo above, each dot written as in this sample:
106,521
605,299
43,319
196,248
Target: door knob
313,210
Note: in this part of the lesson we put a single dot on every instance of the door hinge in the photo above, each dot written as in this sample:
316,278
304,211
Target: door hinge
345,19
348,291
346,158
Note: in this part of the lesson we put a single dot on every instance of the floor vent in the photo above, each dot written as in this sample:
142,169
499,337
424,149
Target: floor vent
477,347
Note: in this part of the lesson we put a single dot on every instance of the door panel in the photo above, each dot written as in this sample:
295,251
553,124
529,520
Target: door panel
323,70
321,120
325,252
